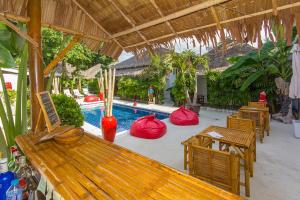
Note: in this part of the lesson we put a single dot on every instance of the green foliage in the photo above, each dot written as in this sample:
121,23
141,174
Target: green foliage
93,86
68,110
186,65
249,75
52,43
154,75
13,50
12,94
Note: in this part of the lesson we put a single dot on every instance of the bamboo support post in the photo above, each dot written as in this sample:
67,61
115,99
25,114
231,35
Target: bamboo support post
61,55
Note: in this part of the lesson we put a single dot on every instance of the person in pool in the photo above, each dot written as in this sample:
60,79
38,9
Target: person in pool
150,94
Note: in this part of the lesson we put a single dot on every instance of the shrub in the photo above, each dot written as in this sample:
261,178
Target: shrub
68,110
12,94
93,86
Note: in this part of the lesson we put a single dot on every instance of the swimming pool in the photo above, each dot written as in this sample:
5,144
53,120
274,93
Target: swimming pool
125,115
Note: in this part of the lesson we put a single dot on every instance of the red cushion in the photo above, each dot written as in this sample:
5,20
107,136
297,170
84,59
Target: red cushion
91,98
184,117
148,127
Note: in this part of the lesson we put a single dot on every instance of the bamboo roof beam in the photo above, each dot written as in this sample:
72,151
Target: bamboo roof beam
216,17
297,4
61,55
128,20
20,32
274,4
192,9
58,28
96,22
162,15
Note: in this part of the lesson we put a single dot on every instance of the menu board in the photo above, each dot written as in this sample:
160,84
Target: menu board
49,111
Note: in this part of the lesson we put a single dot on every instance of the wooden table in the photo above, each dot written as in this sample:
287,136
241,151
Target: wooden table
96,169
236,139
266,112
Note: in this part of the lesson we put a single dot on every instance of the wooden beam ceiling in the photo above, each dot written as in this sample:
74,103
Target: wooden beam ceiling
274,4
20,32
130,21
192,9
96,22
59,28
162,15
221,22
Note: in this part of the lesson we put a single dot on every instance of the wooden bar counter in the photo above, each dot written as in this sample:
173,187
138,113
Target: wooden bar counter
95,169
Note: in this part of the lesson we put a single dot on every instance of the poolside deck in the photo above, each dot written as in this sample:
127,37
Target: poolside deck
276,172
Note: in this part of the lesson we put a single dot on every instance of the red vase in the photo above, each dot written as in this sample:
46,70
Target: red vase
109,128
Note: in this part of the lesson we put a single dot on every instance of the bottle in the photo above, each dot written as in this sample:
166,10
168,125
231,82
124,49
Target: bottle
23,186
5,178
24,170
14,192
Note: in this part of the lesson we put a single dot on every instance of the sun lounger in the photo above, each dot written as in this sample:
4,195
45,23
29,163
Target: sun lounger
77,93
86,92
68,93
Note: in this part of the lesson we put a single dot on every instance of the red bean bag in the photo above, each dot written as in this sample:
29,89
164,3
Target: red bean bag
148,127
91,98
184,117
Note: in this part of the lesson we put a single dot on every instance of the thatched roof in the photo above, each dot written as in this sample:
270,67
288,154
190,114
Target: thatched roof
217,57
136,64
135,26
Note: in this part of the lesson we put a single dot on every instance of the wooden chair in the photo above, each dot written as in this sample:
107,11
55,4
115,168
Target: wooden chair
248,126
198,141
258,120
257,104
219,168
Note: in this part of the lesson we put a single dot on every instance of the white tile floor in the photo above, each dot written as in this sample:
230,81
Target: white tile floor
276,172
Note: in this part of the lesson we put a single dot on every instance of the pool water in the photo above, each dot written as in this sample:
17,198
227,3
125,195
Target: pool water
125,115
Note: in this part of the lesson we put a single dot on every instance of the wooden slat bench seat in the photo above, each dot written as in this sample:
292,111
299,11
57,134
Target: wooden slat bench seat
96,169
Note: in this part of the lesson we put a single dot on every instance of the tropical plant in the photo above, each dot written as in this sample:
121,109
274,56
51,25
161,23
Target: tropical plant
137,86
93,86
270,61
186,65
13,49
68,110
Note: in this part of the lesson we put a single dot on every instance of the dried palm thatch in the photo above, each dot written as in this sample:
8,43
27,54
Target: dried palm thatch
110,26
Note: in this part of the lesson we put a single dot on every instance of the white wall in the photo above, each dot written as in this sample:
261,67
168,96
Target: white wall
13,78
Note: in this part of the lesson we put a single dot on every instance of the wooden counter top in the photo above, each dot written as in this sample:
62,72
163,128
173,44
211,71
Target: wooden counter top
96,169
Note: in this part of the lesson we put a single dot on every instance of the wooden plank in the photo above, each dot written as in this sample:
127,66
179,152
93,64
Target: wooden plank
61,55
94,168
221,22
175,15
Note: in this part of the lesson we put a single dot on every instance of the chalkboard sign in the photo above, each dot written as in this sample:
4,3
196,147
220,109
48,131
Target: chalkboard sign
49,111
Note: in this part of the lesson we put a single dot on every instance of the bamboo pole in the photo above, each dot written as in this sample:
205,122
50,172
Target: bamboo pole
109,91
105,79
113,89
35,62
102,90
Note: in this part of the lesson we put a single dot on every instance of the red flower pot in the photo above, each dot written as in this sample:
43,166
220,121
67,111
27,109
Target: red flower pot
109,128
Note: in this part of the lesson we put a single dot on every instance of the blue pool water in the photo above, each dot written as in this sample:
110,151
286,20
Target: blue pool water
125,115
